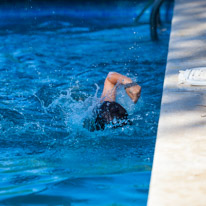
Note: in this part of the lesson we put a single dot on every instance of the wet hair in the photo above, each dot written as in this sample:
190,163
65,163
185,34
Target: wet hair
111,113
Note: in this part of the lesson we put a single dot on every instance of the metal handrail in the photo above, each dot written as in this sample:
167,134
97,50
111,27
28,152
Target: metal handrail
155,19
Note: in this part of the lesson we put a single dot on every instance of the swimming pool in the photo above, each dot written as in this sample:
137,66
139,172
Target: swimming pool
52,75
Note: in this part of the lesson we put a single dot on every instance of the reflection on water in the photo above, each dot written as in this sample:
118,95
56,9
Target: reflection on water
51,79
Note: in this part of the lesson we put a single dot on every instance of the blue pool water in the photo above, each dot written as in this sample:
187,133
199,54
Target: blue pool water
52,66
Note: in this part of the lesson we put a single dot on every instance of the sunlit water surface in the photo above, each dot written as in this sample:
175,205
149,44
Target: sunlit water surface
52,75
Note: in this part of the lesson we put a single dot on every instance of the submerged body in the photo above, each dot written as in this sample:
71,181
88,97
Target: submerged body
110,112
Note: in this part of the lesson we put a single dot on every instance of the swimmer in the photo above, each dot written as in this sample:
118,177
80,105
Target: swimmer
110,112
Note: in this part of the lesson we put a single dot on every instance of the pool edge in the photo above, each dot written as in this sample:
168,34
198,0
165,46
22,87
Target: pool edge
179,168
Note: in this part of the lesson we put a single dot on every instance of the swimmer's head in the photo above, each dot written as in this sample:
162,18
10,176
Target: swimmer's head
111,113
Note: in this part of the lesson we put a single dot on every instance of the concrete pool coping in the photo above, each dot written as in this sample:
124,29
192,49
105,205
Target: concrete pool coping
179,168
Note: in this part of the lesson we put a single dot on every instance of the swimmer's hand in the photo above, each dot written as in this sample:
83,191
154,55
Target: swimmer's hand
134,93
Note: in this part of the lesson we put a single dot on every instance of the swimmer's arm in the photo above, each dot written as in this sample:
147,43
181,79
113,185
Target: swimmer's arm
112,79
